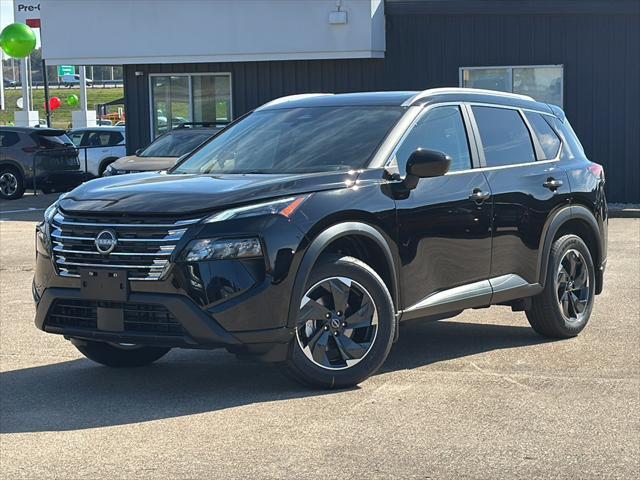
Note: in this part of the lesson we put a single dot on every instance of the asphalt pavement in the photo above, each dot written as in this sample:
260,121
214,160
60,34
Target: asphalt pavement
478,396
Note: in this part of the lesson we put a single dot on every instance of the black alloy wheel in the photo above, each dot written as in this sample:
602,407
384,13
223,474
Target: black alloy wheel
337,323
345,325
564,307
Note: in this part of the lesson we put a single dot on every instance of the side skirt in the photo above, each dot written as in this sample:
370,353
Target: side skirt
478,294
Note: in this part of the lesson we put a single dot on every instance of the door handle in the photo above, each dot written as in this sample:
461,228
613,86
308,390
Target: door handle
478,195
552,183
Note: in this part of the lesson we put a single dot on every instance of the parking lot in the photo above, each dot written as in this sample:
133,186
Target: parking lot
478,396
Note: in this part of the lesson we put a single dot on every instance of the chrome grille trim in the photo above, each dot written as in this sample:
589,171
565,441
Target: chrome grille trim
143,249
61,220
167,253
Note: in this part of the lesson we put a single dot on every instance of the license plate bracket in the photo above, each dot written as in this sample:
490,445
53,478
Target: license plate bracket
109,285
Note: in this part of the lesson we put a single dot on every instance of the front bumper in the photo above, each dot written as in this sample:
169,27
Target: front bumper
239,304
199,330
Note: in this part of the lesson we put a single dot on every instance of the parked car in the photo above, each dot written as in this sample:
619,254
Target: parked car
71,80
44,153
100,146
164,151
306,231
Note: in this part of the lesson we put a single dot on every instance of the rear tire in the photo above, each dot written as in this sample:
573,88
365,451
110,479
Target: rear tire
563,309
345,325
120,357
11,183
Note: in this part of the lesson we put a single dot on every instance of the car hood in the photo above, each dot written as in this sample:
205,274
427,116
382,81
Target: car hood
161,193
144,164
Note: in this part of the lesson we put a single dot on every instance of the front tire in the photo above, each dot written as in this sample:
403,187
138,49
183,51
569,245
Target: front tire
345,325
563,309
120,356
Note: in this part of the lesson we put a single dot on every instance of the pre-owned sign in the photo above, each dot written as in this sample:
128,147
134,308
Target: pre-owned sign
27,11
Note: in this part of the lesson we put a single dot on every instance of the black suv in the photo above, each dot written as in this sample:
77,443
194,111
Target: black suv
39,158
304,232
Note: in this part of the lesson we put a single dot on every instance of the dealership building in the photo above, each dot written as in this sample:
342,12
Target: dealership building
212,61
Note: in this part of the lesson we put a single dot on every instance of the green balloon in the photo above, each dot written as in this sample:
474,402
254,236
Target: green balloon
72,100
17,40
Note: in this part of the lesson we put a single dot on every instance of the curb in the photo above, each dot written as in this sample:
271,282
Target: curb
625,213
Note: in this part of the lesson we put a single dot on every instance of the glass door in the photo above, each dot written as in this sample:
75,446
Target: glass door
170,102
177,99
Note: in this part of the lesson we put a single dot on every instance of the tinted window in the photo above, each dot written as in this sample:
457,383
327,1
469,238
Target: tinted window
175,144
51,141
8,139
287,140
98,139
116,138
439,129
505,137
571,146
76,138
548,139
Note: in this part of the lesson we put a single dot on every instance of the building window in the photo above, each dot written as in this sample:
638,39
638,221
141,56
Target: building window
176,99
544,83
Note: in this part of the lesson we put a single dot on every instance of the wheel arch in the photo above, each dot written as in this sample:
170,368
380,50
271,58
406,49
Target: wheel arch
359,237
104,163
7,162
577,220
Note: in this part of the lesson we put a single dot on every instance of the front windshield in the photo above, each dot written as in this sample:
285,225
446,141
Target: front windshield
176,144
311,139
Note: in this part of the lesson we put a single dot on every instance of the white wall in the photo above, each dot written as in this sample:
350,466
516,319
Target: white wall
93,32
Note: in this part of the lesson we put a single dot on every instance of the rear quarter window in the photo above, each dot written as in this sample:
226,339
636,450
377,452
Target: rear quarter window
9,139
571,146
549,140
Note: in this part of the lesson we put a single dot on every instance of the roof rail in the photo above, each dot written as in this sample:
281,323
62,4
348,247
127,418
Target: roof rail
473,91
290,98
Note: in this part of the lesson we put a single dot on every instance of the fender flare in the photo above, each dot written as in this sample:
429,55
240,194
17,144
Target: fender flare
554,224
17,165
317,246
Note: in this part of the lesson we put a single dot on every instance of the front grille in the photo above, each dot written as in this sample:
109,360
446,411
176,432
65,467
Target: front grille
144,245
138,317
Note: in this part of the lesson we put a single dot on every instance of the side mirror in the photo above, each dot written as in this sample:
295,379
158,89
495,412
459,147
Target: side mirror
139,151
425,164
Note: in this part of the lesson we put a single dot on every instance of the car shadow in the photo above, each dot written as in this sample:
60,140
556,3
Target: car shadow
79,394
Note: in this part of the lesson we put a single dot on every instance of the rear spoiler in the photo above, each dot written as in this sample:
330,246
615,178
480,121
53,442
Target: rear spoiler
49,132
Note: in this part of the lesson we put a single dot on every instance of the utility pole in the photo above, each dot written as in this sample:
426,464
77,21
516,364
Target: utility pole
45,79
1,80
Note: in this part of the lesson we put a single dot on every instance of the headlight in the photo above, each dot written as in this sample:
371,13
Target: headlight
284,206
108,171
226,249
51,211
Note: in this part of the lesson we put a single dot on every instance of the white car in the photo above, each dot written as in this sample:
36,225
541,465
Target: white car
98,147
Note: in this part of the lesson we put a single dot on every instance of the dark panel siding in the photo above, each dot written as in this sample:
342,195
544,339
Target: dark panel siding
599,52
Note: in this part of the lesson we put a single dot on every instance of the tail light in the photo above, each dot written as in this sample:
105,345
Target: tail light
597,170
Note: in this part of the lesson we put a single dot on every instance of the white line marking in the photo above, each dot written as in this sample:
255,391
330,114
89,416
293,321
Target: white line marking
33,209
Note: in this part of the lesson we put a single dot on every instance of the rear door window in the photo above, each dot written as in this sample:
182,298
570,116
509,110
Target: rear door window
98,139
548,139
504,135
